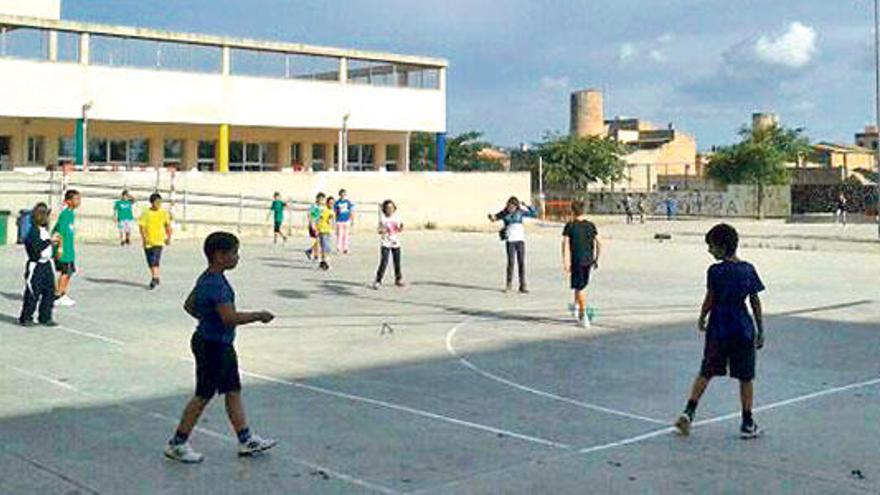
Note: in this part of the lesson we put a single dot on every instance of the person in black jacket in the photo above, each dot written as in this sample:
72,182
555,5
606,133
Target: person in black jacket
39,272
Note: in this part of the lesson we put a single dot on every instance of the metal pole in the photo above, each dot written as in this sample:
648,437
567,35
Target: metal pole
541,185
877,101
240,210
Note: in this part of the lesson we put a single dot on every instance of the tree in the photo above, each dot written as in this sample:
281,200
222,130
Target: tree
759,159
462,152
575,162
422,151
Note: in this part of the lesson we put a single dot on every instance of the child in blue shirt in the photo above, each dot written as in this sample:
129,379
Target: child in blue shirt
731,334
344,210
212,303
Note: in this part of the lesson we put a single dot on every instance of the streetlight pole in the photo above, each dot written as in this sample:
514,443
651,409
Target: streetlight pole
877,102
85,135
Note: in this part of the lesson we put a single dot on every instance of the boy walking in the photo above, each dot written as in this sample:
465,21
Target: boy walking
277,211
155,226
313,215
212,303
731,336
124,215
325,232
580,255
344,210
65,253
39,274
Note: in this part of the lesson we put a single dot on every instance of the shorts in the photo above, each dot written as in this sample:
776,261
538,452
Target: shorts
327,243
216,367
277,227
580,277
735,356
154,256
125,226
65,267
313,232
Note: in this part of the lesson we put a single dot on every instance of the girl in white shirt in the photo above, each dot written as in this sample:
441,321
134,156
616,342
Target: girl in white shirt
390,227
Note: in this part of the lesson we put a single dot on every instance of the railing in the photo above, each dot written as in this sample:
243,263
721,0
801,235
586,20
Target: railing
66,41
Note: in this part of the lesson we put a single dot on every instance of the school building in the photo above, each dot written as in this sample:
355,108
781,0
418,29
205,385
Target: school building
103,97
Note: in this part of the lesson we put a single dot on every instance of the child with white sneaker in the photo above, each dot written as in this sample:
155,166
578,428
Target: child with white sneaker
580,255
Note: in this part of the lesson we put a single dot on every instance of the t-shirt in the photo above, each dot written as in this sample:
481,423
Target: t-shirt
315,213
325,221
153,223
343,210
390,228
731,283
581,234
64,227
513,222
38,244
212,290
278,209
123,209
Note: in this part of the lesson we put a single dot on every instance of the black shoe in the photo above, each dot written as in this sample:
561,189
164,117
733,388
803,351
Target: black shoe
50,323
26,323
324,266
309,254
749,430
153,284
523,290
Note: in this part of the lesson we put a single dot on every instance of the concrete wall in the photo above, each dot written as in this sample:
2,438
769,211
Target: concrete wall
447,200
59,90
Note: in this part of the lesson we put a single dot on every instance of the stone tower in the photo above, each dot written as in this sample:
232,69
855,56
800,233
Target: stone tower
587,113
764,121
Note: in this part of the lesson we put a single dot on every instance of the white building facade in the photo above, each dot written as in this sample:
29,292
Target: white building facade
102,97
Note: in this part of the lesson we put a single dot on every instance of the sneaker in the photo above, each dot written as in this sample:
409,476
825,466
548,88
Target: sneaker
376,285
400,283
749,431
523,290
64,300
584,321
255,445
508,288
50,323
26,323
572,310
683,424
153,284
324,266
309,254
183,453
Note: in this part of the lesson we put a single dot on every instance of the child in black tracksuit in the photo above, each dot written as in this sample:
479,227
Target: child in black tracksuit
39,272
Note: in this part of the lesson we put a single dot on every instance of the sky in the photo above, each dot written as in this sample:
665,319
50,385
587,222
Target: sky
703,65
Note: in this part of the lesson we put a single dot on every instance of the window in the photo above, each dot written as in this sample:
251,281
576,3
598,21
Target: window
173,153
207,155
249,157
36,149
360,157
319,153
296,154
98,151
392,157
139,151
66,150
119,151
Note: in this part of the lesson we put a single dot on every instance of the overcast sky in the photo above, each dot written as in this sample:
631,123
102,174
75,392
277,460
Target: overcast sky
705,65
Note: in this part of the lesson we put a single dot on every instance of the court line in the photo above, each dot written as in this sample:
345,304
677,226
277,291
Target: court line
208,432
450,336
651,434
381,403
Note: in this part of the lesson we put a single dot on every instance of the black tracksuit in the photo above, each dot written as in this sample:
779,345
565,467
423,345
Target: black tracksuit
39,276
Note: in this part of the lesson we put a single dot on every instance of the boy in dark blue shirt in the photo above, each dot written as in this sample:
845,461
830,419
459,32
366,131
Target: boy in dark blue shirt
731,335
212,302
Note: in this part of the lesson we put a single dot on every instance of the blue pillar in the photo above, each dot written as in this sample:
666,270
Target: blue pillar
441,151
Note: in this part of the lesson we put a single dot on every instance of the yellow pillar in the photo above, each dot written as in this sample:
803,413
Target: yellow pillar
223,149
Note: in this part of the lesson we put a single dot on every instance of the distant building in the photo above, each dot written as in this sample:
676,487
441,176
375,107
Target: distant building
833,163
868,138
661,157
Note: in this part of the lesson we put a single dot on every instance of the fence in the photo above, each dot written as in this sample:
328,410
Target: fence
823,198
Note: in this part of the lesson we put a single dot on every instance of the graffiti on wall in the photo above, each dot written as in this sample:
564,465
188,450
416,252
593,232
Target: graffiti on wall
736,201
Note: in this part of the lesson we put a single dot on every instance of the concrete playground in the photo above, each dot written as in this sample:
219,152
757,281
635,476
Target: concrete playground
449,385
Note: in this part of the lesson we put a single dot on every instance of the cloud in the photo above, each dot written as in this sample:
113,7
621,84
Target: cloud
666,38
627,52
555,83
794,48
658,56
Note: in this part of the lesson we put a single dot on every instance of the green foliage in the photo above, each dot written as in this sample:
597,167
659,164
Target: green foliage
575,162
462,152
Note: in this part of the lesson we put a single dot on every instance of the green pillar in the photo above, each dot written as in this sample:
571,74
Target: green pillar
80,146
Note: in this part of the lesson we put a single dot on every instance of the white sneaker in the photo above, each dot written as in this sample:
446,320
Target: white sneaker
572,310
255,445
183,452
683,424
376,286
64,300
584,321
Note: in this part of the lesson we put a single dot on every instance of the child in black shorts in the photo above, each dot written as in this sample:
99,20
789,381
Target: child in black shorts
212,302
580,255
731,335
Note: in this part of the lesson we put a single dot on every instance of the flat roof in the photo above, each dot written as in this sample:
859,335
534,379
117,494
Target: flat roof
213,40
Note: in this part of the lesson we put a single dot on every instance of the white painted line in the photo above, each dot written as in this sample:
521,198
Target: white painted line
213,434
407,409
548,395
90,335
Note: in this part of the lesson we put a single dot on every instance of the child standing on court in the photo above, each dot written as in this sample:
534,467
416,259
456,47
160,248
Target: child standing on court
390,227
325,232
312,217
212,303
580,255
344,210
65,252
277,211
514,235
731,337
39,273
155,226
123,213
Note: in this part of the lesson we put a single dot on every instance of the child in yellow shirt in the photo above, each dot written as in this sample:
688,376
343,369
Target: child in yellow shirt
155,227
